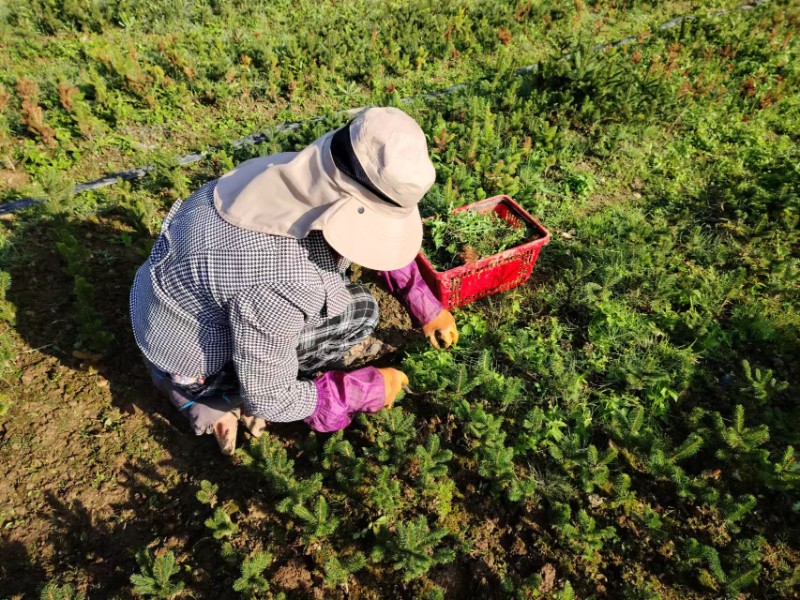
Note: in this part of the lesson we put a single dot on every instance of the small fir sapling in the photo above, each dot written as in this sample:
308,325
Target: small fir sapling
384,497
690,446
660,466
624,498
710,574
432,370
622,495
143,210
390,432
340,458
432,461
738,439
61,199
155,577
581,534
338,571
412,548
734,510
495,459
207,494
434,592
785,474
221,524
53,591
742,579
433,483
440,497
746,558
252,582
318,523
761,384
594,470
270,460
93,334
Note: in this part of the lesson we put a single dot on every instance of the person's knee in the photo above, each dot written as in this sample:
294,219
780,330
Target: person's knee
366,311
372,315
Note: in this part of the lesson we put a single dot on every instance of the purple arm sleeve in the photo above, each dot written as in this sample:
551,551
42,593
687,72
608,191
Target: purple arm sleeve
341,395
408,286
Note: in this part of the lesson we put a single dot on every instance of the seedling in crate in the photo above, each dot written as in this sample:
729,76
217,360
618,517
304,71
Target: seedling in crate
461,238
496,242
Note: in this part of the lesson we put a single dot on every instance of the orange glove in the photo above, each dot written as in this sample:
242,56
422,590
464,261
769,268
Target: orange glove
393,382
444,327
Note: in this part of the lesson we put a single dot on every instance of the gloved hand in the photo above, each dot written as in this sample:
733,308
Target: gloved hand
443,326
393,382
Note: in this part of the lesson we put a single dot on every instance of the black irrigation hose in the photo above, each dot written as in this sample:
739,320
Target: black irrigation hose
262,136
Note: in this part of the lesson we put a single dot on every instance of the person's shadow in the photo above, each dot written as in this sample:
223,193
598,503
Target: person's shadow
103,466
70,281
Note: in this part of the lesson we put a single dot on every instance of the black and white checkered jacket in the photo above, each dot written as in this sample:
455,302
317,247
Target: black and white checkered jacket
211,292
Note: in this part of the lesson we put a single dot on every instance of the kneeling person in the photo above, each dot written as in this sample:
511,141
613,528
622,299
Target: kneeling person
244,295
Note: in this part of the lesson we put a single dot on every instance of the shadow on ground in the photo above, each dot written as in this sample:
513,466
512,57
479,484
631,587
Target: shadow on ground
96,465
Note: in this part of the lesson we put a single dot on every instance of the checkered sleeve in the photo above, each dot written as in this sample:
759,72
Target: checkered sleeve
265,325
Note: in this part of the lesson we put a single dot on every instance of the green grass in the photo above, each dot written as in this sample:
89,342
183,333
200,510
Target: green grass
624,426
110,87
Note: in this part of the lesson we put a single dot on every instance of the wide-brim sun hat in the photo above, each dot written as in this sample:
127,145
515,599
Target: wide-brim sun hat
360,185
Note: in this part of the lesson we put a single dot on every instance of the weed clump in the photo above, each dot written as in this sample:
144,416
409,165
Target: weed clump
464,237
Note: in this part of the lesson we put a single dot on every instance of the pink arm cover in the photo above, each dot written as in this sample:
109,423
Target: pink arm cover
408,286
340,395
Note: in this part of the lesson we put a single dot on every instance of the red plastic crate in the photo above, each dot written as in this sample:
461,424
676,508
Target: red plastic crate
502,271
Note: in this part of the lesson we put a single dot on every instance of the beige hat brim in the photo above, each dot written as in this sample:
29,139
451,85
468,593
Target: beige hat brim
373,239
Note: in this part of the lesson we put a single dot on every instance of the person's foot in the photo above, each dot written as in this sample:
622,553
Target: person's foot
254,425
225,429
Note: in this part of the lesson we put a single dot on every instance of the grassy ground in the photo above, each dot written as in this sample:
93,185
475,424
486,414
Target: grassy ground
622,426
120,87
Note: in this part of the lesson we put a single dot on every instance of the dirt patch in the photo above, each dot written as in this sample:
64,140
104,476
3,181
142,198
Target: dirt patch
394,331
395,328
13,179
548,574
293,576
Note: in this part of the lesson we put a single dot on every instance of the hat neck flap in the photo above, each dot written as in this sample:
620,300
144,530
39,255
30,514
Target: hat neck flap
287,194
